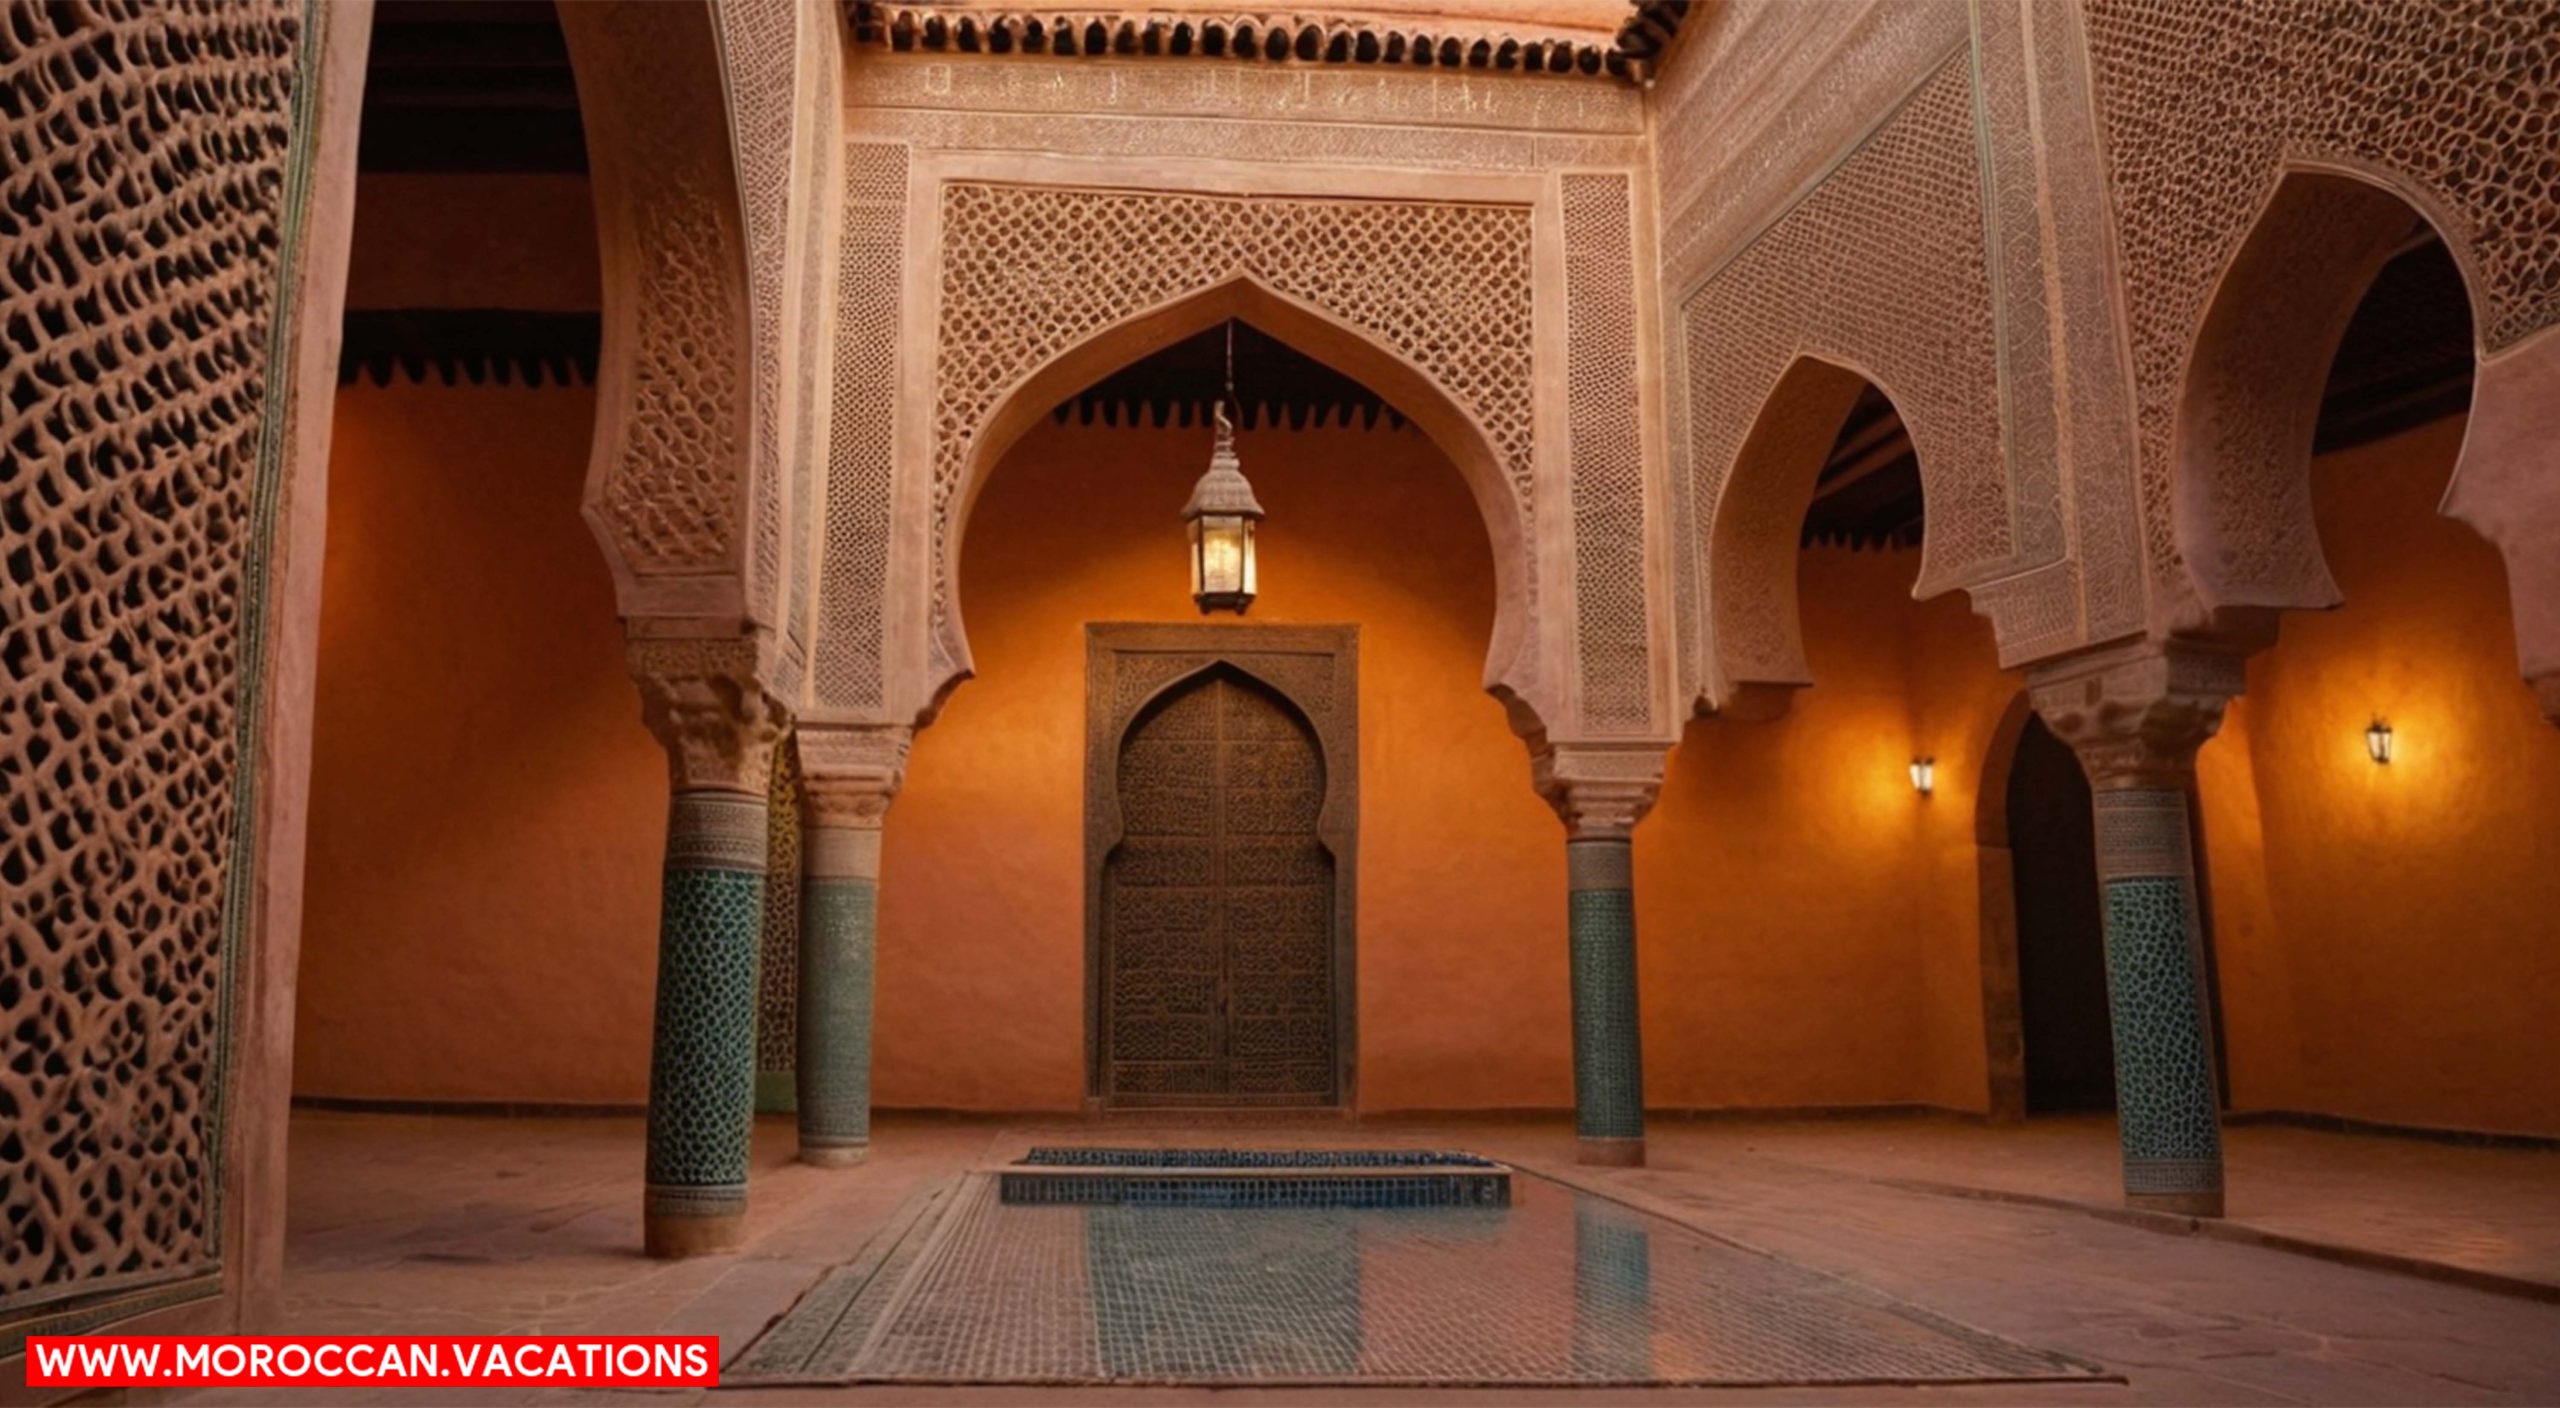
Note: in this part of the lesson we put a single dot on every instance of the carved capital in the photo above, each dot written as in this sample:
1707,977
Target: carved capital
707,705
1600,792
2137,714
850,775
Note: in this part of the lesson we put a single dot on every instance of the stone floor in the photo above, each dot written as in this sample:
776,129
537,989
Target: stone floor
437,1225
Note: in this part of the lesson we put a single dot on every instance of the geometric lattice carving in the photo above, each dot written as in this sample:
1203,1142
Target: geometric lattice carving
1880,268
2067,407
756,51
1604,422
778,958
648,79
1752,107
141,211
2201,103
862,438
1027,273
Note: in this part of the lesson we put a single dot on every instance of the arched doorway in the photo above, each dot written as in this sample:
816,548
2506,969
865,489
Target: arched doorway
1216,962
2062,965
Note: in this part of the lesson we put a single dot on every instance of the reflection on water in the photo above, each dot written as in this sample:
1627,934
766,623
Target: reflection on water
1612,1293
1560,1288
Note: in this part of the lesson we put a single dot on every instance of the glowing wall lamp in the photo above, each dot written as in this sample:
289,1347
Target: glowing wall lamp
2377,739
1924,775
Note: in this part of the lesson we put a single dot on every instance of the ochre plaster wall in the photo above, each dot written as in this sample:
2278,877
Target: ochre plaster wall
1804,915
2390,936
487,809
1809,923
1461,882
487,812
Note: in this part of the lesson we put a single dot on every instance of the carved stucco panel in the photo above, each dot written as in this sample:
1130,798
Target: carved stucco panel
1612,629
668,488
1755,101
757,43
863,436
1882,269
145,436
2203,105
1028,272
1205,139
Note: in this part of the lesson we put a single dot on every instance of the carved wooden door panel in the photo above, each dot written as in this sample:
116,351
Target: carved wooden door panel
1218,923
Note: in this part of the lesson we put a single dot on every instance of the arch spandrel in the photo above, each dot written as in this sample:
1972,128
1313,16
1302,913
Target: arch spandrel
1757,524
2205,108
1881,267
2250,406
670,488
1044,288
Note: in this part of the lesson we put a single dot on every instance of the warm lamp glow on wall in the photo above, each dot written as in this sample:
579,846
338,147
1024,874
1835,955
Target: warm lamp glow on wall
2377,739
1221,515
1924,775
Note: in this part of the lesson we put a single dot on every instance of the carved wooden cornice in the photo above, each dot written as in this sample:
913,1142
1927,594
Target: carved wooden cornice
1259,36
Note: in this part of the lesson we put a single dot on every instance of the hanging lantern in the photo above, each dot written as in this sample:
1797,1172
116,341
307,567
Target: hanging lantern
1924,775
2377,740
1221,516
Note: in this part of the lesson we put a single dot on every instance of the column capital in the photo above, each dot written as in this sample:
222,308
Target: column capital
850,774
1600,791
705,700
2136,714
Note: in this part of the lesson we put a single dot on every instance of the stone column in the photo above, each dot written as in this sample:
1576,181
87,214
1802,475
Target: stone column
2136,716
1601,794
848,777
702,700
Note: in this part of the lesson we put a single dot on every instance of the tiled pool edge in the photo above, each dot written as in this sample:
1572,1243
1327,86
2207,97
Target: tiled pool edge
906,1252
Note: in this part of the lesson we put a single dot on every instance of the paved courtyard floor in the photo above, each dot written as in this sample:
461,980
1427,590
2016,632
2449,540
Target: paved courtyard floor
403,1224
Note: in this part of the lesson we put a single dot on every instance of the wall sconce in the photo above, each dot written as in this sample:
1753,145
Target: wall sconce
2377,739
1924,775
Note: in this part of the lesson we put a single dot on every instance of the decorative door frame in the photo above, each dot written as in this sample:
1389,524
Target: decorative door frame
1131,664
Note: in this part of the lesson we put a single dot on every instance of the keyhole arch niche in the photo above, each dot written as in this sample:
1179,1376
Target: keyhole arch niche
1296,680
1484,429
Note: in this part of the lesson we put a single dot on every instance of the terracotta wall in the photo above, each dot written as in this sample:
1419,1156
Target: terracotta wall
487,807
1808,921
1804,914
1461,882
486,811
2390,936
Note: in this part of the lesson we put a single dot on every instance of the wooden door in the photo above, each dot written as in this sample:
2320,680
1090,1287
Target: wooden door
1218,906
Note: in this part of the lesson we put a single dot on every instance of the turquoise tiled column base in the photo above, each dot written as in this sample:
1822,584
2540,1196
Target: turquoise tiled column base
836,937
1608,1064
2167,1112
702,1055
